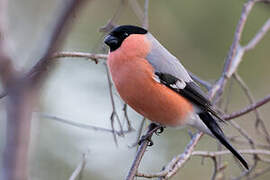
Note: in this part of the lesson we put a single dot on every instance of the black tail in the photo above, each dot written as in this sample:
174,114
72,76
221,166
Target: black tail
211,123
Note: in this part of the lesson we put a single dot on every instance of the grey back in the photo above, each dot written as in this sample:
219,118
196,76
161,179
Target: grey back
163,61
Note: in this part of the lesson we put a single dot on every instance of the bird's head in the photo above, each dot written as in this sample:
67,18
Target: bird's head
115,38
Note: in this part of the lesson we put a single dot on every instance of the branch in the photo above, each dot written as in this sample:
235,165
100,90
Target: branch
206,154
82,125
247,109
177,162
90,56
204,83
77,172
22,98
145,23
258,37
220,153
142,148
236,52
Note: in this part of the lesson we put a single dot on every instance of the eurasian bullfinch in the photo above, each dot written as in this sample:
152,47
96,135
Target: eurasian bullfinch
155,84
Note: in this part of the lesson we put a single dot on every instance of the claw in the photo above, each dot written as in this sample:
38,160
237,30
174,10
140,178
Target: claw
146,138
159,131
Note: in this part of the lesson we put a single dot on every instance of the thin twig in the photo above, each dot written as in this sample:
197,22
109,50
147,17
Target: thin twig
114,114
215,171
112,22
82,125
247,109
65,54
130,128
139,133
91,56
137,9
220,153
204,83
259,173
235,54
142,148
78,171
145,23
180,160
259,120
258,37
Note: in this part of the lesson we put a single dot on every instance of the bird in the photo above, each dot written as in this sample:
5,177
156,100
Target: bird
155,84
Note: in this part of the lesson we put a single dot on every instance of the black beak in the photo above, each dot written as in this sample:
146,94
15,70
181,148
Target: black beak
111,41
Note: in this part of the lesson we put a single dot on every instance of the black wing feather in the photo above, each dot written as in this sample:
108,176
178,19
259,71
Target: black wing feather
191,91
218,133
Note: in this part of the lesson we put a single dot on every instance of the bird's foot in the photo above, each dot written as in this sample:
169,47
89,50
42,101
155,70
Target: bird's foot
146,137
153,128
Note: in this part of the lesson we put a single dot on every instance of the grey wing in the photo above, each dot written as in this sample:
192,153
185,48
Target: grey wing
163,61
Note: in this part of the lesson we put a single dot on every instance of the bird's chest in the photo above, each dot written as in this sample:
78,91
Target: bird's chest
131,78
136,86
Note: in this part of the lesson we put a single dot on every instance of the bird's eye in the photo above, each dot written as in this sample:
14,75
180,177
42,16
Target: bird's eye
126,34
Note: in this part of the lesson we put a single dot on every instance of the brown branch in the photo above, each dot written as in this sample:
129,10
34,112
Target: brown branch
215,168
65,54
22,98
90,56
207,154
259,120
114,114
247,109
142,148
130,128
220,153
180,160
258,37
137,10
112,22
204,83
236,52
55,39
82,125
78,171
145,23
176,163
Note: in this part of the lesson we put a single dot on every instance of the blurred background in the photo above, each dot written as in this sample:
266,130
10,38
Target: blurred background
199,33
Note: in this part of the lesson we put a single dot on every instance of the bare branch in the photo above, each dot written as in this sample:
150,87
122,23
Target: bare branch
55,39
82,125
77,172
180,160
130,128
220,153
204,83
176,163
22,98
236,52
137,9
248,108
90,56
114,114
215,168
112,22
258,37
145,23
259,120
142,148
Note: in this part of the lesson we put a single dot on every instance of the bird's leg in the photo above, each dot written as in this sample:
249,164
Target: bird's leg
153,128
